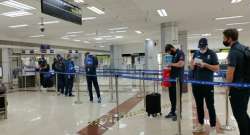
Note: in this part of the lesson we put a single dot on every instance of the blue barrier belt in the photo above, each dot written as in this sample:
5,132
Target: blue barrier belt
108,74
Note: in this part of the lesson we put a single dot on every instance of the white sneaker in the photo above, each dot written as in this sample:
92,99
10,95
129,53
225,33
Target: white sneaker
213,131
199,129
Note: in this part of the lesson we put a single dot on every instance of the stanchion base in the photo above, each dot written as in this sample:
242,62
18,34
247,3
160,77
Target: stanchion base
228,128
78,102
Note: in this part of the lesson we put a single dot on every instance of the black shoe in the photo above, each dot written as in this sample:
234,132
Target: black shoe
174,118
99,100
170,115
91,100
71,95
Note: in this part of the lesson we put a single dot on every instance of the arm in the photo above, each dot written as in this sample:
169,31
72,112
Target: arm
213,68
179,64
230,74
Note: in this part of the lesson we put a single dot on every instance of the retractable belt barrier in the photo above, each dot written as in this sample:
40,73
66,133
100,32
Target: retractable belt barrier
134,77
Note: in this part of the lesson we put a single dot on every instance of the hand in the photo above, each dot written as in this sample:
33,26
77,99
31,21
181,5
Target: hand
202,64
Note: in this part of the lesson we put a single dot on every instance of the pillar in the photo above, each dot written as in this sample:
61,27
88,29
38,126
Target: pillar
184,46
6,65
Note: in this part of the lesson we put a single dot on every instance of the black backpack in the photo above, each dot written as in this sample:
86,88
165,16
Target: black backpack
246,51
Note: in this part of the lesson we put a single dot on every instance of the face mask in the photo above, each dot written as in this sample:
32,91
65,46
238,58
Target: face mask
225,43
203,51
172,53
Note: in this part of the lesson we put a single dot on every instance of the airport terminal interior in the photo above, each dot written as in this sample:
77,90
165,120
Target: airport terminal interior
53,51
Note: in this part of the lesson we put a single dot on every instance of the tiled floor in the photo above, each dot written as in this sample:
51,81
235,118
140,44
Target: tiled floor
45,113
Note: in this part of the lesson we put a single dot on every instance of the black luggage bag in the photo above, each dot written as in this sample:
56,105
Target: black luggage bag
153,102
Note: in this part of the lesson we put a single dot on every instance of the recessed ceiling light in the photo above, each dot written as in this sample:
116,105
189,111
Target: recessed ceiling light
18,26
77,40
17,5
118,37
79,1
88,18
49,22
240,29
66,38
71,36
16,13
37,36
206,34
75,32
96,10
119,28
230,17
235,1
102,46
148,39
98,38
138,32
90,34
162,12
121,31
230,24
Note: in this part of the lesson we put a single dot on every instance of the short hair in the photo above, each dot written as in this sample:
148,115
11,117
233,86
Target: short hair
168,47
231,33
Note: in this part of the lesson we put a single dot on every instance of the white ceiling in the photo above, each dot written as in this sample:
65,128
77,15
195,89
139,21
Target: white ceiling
195,16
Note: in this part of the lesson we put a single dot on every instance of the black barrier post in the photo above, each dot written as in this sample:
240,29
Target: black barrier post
111,86
178,97
117,97
140,82
227,126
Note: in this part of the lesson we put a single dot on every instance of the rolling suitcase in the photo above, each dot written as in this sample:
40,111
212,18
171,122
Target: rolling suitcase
153,103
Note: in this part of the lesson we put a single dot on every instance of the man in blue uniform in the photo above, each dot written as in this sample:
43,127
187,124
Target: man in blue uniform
177,71
69,77
236,73
204,64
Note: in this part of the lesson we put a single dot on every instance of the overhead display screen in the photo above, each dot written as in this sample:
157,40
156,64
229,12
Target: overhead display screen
63,10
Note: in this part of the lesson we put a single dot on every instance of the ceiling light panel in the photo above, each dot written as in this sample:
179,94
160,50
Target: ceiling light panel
96,10
75,32
235,1
18,26
99,38
230,17
16,5
79,1
16,13
37,36
121,31
119,28
49,22
138,32
88,18
162,12
243,23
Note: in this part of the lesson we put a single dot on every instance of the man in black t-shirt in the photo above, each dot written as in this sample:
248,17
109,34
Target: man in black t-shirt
204,64
239,97
177,71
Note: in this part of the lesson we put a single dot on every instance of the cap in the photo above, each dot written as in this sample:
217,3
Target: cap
202,43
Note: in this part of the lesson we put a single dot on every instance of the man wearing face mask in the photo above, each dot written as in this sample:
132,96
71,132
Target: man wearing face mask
177,71
238,72
204,64
70,75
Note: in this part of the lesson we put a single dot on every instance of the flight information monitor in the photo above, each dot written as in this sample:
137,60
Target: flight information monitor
63,10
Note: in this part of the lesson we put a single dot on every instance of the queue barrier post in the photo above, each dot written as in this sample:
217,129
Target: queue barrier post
78,101
56,85
178,98
117,97
25,81
227,126
111,86
140,84
144,89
